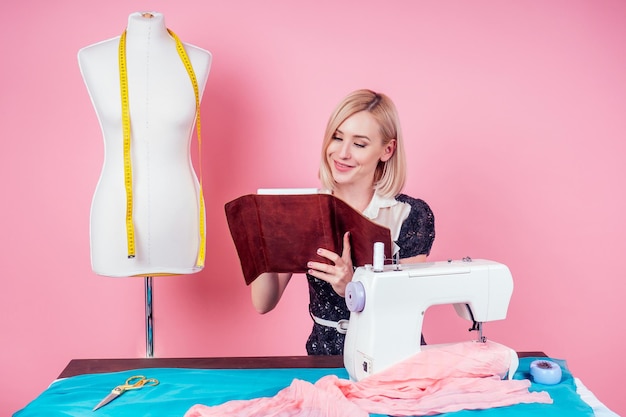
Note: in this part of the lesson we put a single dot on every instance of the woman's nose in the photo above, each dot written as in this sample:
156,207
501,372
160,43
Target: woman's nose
344,151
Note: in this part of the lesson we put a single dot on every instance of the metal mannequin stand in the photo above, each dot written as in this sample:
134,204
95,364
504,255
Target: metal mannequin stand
149,319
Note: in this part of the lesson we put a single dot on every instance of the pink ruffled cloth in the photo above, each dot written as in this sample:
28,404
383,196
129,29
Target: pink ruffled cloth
460,376
301,399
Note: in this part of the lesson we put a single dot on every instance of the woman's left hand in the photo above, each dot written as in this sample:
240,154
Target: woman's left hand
340,273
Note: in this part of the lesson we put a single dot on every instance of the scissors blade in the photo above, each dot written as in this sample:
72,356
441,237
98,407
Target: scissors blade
106,400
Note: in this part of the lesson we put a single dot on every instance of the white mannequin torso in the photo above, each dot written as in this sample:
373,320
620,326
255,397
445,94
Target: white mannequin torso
165,187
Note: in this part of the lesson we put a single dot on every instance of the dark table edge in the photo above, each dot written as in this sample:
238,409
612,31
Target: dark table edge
94,366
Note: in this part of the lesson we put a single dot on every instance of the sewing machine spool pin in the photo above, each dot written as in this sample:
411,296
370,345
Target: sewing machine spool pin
379,258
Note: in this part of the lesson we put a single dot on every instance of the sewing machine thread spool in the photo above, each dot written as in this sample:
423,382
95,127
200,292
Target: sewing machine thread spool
379,256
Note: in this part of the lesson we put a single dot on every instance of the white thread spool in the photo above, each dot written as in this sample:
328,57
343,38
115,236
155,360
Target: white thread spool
379,256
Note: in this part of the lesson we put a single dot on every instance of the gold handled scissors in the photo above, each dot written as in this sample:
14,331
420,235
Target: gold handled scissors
134,382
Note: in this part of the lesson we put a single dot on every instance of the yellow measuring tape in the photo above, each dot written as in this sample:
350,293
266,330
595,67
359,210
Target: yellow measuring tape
128,176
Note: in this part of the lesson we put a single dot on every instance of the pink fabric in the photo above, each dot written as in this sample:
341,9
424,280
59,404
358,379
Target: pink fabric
301,399
446,379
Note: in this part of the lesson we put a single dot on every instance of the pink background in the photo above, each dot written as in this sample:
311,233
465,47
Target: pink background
514,118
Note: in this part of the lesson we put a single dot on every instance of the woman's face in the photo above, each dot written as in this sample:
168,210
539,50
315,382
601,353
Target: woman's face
355,150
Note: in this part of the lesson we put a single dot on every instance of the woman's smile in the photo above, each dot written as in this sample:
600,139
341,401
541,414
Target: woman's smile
341,167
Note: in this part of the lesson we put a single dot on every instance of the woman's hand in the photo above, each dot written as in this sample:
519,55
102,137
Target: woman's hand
339,274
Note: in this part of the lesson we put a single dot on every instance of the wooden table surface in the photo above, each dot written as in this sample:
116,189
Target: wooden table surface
92,366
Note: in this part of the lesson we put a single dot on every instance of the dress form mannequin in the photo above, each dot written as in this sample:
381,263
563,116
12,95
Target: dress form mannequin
165,187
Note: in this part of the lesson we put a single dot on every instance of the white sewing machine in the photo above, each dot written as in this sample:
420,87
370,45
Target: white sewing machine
387,307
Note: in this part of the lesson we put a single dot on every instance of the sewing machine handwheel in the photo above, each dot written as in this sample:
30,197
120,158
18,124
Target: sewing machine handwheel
355,296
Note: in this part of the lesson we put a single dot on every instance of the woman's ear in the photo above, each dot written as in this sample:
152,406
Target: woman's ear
388,151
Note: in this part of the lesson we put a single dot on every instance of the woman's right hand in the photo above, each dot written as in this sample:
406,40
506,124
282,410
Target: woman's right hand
339,273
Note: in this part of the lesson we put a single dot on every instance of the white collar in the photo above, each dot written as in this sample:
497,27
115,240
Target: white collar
378,202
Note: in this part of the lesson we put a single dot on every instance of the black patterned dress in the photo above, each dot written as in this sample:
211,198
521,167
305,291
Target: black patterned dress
416,238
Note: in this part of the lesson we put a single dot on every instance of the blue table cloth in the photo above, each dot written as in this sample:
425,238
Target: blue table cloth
179,389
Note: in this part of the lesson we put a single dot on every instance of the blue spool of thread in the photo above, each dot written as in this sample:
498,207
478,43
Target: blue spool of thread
545,372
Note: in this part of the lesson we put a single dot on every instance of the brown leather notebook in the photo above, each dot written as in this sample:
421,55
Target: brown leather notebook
281,233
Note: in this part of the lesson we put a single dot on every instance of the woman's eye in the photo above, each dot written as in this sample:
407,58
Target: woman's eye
359,145
337,138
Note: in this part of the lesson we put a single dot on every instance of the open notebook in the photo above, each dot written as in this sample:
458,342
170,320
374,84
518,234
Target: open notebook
281,230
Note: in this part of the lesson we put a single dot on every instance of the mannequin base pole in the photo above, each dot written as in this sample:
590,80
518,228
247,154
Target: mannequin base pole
149,319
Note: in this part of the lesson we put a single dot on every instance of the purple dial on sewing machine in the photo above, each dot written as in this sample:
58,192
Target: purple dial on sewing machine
355,296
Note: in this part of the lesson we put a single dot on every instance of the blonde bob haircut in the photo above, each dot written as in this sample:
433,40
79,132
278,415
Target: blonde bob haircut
390,176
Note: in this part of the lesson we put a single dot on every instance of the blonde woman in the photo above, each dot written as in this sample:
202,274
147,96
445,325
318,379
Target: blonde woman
363,163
